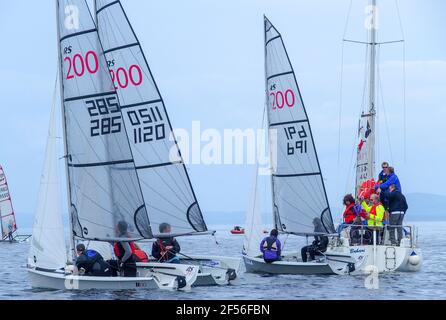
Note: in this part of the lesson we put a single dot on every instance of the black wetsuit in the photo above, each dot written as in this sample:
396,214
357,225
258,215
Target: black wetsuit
319,244
93,264
158,249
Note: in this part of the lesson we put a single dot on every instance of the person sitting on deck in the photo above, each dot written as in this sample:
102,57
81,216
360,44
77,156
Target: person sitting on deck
271,247
166,249
359,235
91,263
126,262
319,244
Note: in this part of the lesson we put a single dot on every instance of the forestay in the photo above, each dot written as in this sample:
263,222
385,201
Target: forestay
299,195
103,184
7,221
164,179
48,247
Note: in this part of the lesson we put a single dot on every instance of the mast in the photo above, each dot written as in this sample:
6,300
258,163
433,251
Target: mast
372,90
269,131
72,255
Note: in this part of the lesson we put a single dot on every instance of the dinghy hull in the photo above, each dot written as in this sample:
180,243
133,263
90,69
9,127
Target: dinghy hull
258,265
60,281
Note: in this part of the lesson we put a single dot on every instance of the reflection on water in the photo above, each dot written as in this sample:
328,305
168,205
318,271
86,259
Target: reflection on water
429,283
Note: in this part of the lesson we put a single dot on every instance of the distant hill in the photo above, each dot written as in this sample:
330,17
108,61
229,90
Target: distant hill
422,207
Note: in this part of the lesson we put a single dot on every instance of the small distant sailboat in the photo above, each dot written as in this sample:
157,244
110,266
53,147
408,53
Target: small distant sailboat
7,216
298,192
382,256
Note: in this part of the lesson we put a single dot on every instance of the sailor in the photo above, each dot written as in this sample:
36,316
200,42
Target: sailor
166,249
91,263
10,231
383,175
126,262
319,244
271,247
374,213
349,214
397,207
383,188
359,235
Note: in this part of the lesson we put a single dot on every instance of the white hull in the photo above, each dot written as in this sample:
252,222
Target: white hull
387,258
212,270
155,276
291,263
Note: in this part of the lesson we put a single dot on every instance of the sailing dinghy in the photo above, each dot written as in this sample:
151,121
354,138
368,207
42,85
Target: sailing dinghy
7,216
380,256
102,181
298,192
165,183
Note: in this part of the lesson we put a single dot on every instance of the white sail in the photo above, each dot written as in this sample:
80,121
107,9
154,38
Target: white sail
103,184
48,247
299,195
7,216
164,179
254,227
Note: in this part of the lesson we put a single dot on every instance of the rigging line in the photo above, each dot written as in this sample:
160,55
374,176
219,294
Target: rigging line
341,97
404,82
385,113
150,78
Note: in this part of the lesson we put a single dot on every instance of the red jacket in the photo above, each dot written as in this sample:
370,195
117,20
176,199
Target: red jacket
349,214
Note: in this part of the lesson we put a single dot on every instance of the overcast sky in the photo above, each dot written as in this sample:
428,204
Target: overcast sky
207,57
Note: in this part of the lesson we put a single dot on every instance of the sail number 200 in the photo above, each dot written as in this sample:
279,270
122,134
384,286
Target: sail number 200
281,99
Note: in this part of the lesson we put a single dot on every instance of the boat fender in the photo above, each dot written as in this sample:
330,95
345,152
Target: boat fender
232,275
181,282
414,259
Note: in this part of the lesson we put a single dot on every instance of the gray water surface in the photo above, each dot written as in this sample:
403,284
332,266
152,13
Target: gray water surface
429,283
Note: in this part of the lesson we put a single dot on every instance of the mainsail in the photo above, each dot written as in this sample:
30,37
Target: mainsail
164,179
48,247
7,221
299,196
103,184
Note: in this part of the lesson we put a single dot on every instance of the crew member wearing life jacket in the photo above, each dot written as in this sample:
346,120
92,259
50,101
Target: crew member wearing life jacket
91,263
126,262
319,244
165,250
374,214
138,253
271,247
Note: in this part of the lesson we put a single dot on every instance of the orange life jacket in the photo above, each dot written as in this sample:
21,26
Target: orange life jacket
139,254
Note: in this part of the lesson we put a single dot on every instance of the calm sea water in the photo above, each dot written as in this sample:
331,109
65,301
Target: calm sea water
429,283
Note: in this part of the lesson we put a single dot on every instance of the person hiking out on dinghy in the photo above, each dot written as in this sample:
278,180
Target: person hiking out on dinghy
319,244
126,263
165,250
271,247
91,263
